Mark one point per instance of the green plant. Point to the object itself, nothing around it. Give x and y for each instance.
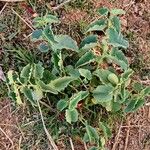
(94, 73)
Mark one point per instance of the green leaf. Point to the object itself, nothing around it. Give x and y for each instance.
(92, 134)
(106, 130)
(98, 25)
(71, 115)
(61, 83)
(26, 72)
(137, 87)
(55, 60)
(127, 74)
(103, 93)
(50, 19)
(85, 73)
(94, 148)
(38, 71)
(116, 23)
(10, 76)
(117, 12)
(44, 20)
(119, 62)
(37, 93)
(77, 98)
(134, 105)
(139, 104)
(119, 55)
(64, 42)
(146, 91)
(102, 75)
(86, 138)
(116, 39)
(115, 106)
(17, 93)
(87, 58)
(72, 72)
(43, 47)
(113, 78)
(103, 11)
(12, 95)
(36, 34)
(62, 104)
(46, 87)
(89, 42)
(48, 34)
(28, 94)
(130, 106)
(48, 76)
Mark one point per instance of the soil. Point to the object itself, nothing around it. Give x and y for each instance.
(9, 131)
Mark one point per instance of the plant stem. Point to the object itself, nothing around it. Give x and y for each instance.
(45, 129)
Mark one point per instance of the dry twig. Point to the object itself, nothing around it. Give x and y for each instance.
(71, 143)
(7, 137)
(45, 129)
(23, 20)
(85, 146)
(61, 5)
(127, 139)
(3, 8)
(117, 137)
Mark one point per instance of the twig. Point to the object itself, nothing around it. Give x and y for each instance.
(4, 107)
(7, 137)
(85, 146)
(62, 4)
(50, 108)
(23, 20)
(117, 137)
(3, 8)
(8, 125)
(45, 129)
(127, 139)
(135, 126)
(19, 145)
(127, 135)
(71, 143)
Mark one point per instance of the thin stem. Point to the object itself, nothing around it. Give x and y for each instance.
(45, 129)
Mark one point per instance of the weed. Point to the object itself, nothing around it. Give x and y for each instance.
(80, 80)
